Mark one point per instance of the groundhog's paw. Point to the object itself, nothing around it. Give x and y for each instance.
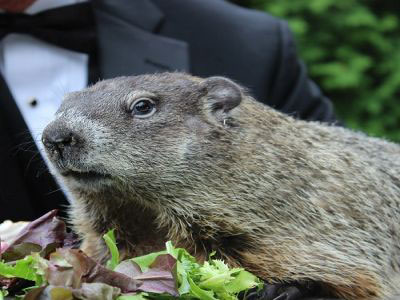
(285, 291)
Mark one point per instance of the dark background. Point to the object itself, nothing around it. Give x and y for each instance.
(352, 50)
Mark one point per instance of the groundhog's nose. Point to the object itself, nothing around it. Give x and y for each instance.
(57, 138)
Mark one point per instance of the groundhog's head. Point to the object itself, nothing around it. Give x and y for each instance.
(132, 131)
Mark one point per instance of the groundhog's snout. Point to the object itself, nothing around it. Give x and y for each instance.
(60, 140)
(66, 150)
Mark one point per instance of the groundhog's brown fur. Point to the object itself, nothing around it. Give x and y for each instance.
(212, 169)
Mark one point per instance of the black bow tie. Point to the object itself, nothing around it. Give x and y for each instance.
(71, 27)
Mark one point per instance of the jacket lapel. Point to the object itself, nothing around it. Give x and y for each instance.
(127, 42)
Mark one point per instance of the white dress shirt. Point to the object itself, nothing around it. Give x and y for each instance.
(39, 74)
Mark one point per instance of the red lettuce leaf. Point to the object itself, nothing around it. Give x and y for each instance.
(45, 232)
(87, 270)
(158, 279)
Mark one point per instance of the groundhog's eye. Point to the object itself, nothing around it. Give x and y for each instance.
(143, 108)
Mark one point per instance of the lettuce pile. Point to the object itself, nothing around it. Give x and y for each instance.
(42, 263)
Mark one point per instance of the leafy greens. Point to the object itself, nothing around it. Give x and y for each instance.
(41, 257)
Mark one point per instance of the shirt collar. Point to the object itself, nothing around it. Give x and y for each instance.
(41, 5)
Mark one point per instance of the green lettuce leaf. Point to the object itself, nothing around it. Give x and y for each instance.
(139, 296)
(200, 293)
(111, 243)
(212, 280)
(145, 261)
(186, 268)
(243, 281)
(24, 268)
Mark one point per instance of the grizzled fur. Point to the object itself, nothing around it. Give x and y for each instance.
(212, 169)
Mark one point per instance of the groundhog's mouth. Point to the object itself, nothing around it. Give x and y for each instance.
(85, 175)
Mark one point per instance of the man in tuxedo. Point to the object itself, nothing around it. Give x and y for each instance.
(49, 47)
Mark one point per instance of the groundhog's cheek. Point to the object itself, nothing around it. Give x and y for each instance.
(196, 125)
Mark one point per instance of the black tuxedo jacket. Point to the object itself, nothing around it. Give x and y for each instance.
(203, 37)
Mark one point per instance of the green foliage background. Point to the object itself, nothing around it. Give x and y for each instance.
(352, 50)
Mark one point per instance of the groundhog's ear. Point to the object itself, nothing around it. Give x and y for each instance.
(222, 95)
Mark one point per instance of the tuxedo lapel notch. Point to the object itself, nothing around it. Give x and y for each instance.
(128, 44)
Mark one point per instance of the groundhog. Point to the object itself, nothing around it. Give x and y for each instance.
(201, 163)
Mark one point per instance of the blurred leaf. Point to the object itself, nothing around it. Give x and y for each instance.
(320, 6)
(360, 16)
(298, 25)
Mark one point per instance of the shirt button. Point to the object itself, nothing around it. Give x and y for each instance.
(33, 102)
